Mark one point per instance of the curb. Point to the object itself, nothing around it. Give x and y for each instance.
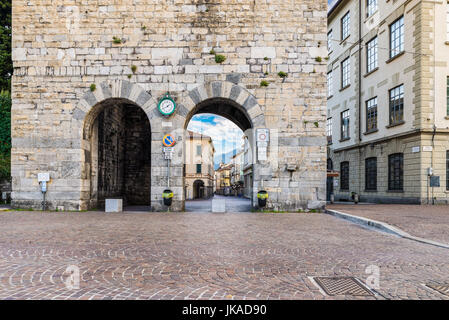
(382, 226)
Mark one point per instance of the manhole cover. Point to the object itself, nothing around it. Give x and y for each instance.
(443, 289)
(342, 286)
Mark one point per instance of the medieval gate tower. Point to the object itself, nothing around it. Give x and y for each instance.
(89, 77)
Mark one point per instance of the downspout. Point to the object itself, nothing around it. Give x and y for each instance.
(360, 95)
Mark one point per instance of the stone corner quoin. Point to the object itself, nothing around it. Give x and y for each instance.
(80, 69)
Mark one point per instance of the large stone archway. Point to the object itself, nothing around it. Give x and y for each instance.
(235, 103)
(128, 100)
(53, 108)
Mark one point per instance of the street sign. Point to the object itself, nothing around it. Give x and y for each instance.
(168, 140)
(263, 135)
(434, 181)
(43, 177)
(170, 149)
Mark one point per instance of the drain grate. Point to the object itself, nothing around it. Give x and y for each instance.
(342, 286)
(443, 289)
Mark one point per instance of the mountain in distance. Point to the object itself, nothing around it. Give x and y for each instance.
(224, 157)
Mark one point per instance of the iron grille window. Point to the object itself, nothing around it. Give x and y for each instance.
(397, 37)
(371, 55)
(447, 170)
(371, 114)
(198, 150)
(396, 171)
(198, 168)
(371, 174)
(397, 105)
(345, 25)
(345, 73)
(345, 125)
(344, 175)
(329, 130)
(371, 7)
(329, 41)
(329, 84)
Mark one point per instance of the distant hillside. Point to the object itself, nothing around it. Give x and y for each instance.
(224, 157)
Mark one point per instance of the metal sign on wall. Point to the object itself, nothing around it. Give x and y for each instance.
(262, 138)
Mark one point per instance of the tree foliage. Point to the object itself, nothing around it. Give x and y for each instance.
(5, 136)
(5, 45)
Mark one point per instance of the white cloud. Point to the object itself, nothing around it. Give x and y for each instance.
(225, 135)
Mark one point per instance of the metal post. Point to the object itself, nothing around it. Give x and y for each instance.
(168, 173)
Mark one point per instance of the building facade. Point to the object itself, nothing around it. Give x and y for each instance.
(237, 180)
(90, 78)
(388, 100)
(223, 179)
(199, 166)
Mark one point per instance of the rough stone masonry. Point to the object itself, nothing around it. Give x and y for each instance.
(86, 71)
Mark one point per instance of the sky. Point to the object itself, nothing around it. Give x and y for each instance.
(225, 135)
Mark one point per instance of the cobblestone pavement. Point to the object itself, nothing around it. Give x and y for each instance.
(233, 204)
(205, 256)
(425, 221)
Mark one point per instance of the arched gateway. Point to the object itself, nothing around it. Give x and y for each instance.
(119, 165)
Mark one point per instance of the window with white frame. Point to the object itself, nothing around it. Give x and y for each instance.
(345, 25)
(397, 105)
(371, 114)
(397, 37)
(371, 55)
(329, 130)
(329, 84)
(345, 73)
(344, 118)
(371, 7)
(329, 41)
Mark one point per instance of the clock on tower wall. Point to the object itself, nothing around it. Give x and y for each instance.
(167, 105)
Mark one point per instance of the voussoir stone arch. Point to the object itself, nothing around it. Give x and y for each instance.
(222, 90)
(122, 90)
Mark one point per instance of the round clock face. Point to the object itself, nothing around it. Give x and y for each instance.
(167, 106)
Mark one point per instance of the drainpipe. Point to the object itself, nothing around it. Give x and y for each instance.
(360, 94)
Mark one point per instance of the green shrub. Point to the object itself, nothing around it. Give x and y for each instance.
(93, 87)
(5, 123)
(116, 40)
(282, 74)
(264, 83)
(5, 167)
(133, 68)
(5, 136)
(219, 58)
(318, 59)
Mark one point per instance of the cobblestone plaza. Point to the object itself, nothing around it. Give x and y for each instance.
(206, 256)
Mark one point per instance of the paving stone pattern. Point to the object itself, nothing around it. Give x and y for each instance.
(205, 256)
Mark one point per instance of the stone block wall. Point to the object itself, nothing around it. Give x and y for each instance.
(61, 48)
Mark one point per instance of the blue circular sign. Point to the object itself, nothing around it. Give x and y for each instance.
(168, 140)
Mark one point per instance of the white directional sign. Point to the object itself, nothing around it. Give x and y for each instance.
(43, 177)
(168, 153)
(263, 135)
